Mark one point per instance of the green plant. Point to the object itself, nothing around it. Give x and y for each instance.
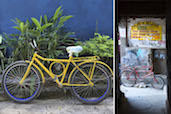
(100, 45)
(2, 51)
(4, 61)
(48, 33)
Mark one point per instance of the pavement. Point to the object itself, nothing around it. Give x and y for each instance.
(143, 101)
(62, 105)
(53, 100)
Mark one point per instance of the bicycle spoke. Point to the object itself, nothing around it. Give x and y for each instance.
(99, 89)
(78, 88)
(82, 77)
(84, 91)
(78, 78)
(80, 81)
(12, 81)
(10, 85)
(96, 92)
(16, 72)
(13, 90)
(9, 74)
(27, 89)
(23, 72)
(19, 71)
(85, 71)
(12, 78)
(93, 93)
(100, 78)
(20, 92)
(27, 92)
(88, 89)
(96, 73)
(89, 94)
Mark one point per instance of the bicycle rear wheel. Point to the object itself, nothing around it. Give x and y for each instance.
(159, 83)
(25, 92)
(91, 94)
(127, 78)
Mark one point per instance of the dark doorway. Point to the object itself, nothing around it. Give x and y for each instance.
(146, 100)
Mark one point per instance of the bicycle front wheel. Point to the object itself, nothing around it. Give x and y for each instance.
(25, 92)
(158, 83)
(127, 78)
(91, 94)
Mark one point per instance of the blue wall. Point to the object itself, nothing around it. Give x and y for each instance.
(85, 13)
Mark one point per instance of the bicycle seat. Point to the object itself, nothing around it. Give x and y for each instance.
(74, 49)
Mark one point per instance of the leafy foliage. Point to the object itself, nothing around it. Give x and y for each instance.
(48, 33)
(100, 45)
(4, 61)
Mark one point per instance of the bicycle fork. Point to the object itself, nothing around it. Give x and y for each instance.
(27, 72)
(154, 78)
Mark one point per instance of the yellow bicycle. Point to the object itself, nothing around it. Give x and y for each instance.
(90, 79)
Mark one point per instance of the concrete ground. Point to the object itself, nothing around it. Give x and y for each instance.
(64, 105)
(55, 101)
(143, 101)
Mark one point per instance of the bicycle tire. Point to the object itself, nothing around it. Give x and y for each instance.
(91, 94)
(125, 81)
(109, 74)
(160, 83)
(8, 84)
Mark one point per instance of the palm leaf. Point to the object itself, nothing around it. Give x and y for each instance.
(45, 18)
(16, 27)
(27, 22)
(36, 22)
(40, 20)
(15, 22)
(56, 13)
(22, 26)
(45, 26)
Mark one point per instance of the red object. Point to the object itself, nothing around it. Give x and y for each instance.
(138, 69)
(161, 42)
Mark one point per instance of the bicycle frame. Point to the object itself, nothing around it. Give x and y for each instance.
(149, 72)
(72, 60)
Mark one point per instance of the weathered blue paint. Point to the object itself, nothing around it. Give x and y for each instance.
(85, 12)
